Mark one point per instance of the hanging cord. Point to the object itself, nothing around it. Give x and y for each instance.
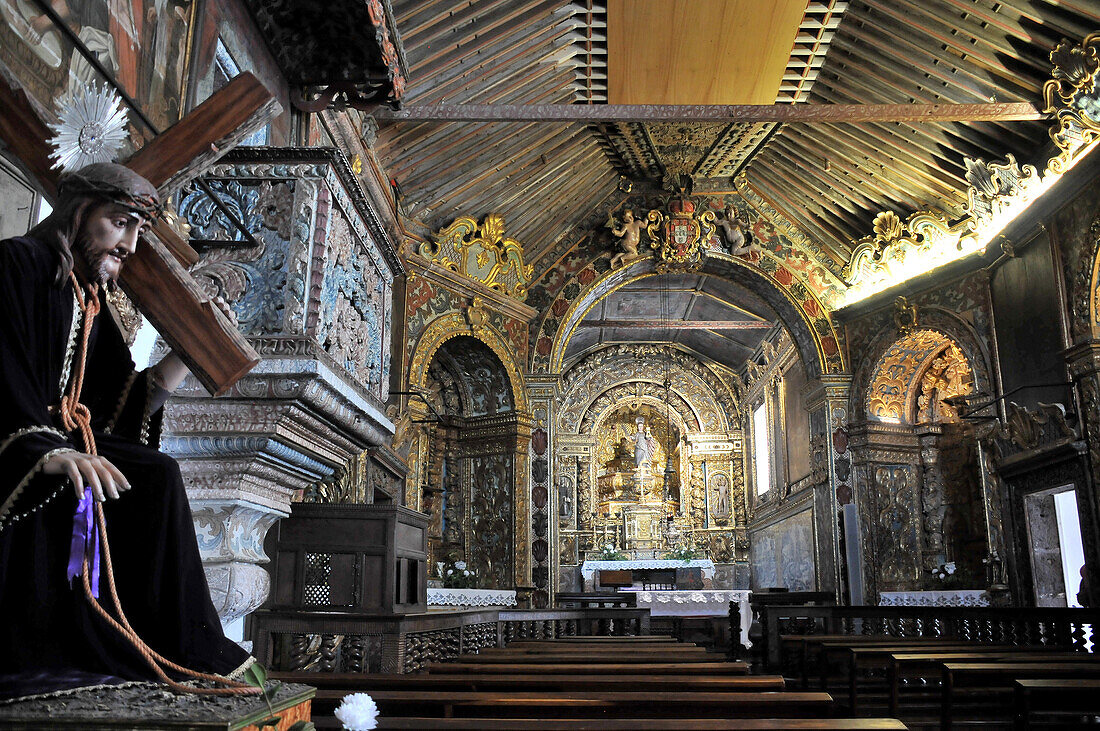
(76, 416)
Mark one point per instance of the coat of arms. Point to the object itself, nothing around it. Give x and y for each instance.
(679, 236)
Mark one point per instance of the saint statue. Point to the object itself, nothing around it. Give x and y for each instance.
(80, 474)
(645, 446)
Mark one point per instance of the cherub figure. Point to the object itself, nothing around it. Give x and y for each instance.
(629, 235)
(736, 233)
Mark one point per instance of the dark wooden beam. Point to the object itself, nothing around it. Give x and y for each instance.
(790, 113)
(679, 324)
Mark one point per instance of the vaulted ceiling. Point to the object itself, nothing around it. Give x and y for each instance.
(556, 183)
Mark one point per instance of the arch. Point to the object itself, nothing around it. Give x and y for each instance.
(454, 325)
(712, 404)
(796, 306)
(612, 398)
(948, 328)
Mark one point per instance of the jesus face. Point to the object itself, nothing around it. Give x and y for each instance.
(107, 237)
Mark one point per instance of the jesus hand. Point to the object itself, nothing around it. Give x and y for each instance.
(87, 469)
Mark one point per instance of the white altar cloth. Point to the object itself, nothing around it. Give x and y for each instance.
(697, 603)
(948, 598)
(471, 597)
(589, 568)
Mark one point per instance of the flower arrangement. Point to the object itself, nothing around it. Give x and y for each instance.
(357, 712)
(945, 573)
(680, 553)
(456, 575)
(610, 553)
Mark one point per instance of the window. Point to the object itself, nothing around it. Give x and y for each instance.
(760, 450)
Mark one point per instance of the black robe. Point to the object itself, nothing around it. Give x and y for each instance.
(49, 635)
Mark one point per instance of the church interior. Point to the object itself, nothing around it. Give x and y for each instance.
(721, 321)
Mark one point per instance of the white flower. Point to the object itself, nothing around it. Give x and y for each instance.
(609, 547)
(357, 712)
(949, 567)
(465, 572)
(460, 565)
(450, 572)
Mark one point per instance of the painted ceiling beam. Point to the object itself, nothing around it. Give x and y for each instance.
(791, 113)
(679, 324)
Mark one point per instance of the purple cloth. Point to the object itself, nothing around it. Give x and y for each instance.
(85, 540)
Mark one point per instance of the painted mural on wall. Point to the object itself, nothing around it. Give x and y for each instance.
(782, 554)
(142, 43)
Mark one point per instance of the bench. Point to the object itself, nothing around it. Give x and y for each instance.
(993, 680)
(580, 668)
(640, 724)
(620, 656)
(603, 704)
(1077, 696)
(873, 658)
(1058, 626)
(357, 682)
(925, 669)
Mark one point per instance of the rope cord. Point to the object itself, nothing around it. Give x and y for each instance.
(75, 416)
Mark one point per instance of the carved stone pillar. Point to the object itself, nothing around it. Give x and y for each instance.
(311, 284)
(548, 505)
(932, 499)
(827, 402)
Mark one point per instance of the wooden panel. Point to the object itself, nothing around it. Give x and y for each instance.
(699, 51)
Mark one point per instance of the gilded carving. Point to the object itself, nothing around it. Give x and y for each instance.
(914, 376)
(482, 253)
(678, 237)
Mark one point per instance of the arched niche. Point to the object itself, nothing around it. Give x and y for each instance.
(700, 394)
(944, 329)
(470, 467)
(915, 375)
(455, 325)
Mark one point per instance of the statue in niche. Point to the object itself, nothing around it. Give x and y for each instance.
(735, 232)
(645, 446)
(722, 495)
(629, 235)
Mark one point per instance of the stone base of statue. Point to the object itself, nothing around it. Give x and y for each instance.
(150, 706)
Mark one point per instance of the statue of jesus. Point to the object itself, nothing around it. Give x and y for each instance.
(78, 428)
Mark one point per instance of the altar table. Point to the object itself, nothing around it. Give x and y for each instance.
(698, 603)
(589, 568)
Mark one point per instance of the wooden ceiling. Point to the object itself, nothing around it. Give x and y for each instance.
(555, 184)
(699, 51)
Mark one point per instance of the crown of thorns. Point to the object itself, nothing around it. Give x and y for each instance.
(146, 203)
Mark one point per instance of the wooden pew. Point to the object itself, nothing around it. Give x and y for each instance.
(926, 668)
(366, 683)
(577, 668)
(597, 647)
(1077, 696)
(641, 724)
(1009, 625)
(992, 680)
(620, 656)
(805, 651)
(602, 704)
(579, 649)
(600, 638)
(877, 658)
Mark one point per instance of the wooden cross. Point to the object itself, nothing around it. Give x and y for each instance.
(155, 277)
